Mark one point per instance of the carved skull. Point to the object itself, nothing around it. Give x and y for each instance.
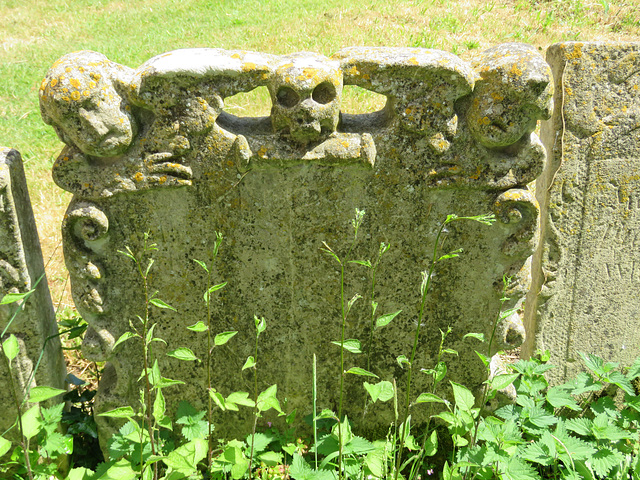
(305, 93)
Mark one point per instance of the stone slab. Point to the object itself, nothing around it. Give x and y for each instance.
(152, 150)
(587, 266)
(21, 267)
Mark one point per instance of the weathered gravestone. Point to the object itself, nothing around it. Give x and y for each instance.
(21, 270)
(152, 150)
(585, 274)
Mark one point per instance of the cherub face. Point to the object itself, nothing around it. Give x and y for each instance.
(86, 111)
(498, 116)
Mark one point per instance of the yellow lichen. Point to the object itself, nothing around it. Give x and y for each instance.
(247, 67)
(138, 177)
(74, 82)
(75, 95)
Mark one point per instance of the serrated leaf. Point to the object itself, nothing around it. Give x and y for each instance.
(385, 320)
(183, 353)
(581, 426)
(620, 381)
(222, 338)
(198, 327)
(604, 460)
(361, 371)
(40, 394)
(634, 370)
(559, 398)
(11, 348)
(161, 304)
(249, 363)
(428, 398)
(351, 345)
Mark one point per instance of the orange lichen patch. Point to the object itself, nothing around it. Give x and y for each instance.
(138, 177)
(576, 53)
(74, 82)
(413, 61)
(496, 96)
(568, 91)
(162, 179)
(515, 70)
(86, 93)
(75, 95)
(484, 121)
(68, 69)
(345, 144)
(454, 169)
(230, 163)
(262, 152)
(53, 83)
(247, 67)
(65, 159)
(235, 55)
(352, 71)
(476, 175)
(407, 111)
(95, 76)
(366, 76)
(92, 84)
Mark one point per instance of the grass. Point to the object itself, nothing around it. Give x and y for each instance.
(35, 33)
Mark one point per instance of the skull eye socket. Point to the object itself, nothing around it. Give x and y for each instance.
(324, 93)
(287, 97)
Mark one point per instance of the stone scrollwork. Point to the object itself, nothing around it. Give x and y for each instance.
(85, 232)
(518, 210)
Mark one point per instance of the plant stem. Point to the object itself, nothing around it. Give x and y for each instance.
(255, 407)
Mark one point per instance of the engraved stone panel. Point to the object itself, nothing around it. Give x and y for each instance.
(586, 268)
(22, 269)
(152, 150)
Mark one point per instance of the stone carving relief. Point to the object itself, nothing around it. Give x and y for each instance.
(152, 148)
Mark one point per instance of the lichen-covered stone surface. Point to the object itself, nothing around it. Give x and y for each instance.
(21, 267)
(586, 271)
(152, 150)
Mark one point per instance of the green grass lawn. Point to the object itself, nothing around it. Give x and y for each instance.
(34, 33)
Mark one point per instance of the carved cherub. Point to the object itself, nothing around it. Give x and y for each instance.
(513, 92)
(84, 98)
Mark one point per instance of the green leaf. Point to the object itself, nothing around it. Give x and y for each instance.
(10, 347)
(217, 398)
(159, 406)
(361, 371)
(440, 372)
(428, 398)
(5, 446)
(620, 381)
(634, 370)
(351, 345)
(120, 412)
(193, 425)
(40, 394)
(477, 336)
(431, 445)
(452, 254)
(31, 424)
(160, 304)
(183, 353)
(268, 400)
(260, 323)
(222, 338)
(558, 397)
(123, 338)
(604, 460)
(364, 263)
(14, 297)
(240, 398)
(463, 397)
(382, 391)
(185, 458)
(202, 264)
(385, 320)
(249, 363)
(500, 382)
(198, 327)
(402, 360)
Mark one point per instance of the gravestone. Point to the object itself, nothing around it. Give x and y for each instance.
(21, 270)
(152, 151)
(584, 294)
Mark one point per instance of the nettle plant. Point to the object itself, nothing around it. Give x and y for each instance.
(585, 429)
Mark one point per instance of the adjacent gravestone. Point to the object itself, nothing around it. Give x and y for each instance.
(152, 153)
(21, 270)
(584, 295)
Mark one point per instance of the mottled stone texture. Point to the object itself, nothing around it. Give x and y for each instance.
(585, 274)
(21, 267)
(152, 150)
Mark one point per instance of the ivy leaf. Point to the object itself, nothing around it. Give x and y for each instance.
(352, 345)
(385, 320)
(222, 338)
